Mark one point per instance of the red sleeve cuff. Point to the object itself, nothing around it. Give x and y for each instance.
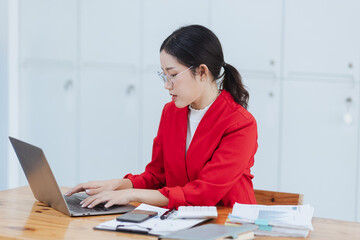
(175, 195)
(137, 180)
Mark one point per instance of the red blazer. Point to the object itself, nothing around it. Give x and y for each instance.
(216, 168)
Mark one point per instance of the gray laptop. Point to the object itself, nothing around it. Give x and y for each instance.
(45, 188)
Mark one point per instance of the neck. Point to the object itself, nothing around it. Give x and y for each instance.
(210, 94)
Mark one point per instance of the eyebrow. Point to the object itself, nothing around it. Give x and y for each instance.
(168, 68)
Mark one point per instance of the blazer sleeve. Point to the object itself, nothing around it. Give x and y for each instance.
(154, 175)
(232, 158)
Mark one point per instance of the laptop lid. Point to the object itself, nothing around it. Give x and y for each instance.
(39, 175)
(45, 188)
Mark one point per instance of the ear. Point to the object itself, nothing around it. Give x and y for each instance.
(203, 71)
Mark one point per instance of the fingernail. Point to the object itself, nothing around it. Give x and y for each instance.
(83, 205)
(81, 202)
(106, 206)
(89, 206)
(87, 191)
(68, 193)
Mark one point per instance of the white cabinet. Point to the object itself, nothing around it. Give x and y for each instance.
(253, 46)
(108, 124)
(250, 42)
(160, 19)
(48, 30)
(48, 83)
(319, 145)
(109, 70)
(110, 33)
(48, 117)
(264, 104)
(322, 37)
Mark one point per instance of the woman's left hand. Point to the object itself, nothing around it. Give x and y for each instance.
(111, 198)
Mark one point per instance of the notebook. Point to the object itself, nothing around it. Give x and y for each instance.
(45, 188)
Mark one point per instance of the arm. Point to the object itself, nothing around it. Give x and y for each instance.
(152, 197)
(95, 187)
(154, 175)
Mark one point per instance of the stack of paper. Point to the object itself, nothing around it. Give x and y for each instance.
(282, 220)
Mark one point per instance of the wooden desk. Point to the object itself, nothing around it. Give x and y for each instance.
(22, 217)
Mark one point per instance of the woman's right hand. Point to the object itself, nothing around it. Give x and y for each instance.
(95, 187)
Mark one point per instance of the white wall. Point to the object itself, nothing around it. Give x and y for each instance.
(3, 93)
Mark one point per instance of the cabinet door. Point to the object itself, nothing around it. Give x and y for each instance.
(322, 37)
(48, 83)
(160, 19)
(320, 141)
(109, 121)
(109, 116)
(250, 42)
(48, 30)
(264, 104)
(110, 32)
(48, 118)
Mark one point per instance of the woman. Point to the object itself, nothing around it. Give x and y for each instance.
(206, 140)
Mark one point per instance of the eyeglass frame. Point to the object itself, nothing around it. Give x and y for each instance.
(167, 78)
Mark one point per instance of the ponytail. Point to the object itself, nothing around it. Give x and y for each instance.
(232, 83)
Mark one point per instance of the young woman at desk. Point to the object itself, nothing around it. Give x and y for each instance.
(206, 140)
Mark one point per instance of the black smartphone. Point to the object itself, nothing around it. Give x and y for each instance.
(136, 216)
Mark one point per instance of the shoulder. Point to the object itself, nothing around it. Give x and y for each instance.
(234, 113)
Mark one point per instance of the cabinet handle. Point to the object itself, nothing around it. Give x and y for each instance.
(130, 88)
(68, 84)
(348, 118)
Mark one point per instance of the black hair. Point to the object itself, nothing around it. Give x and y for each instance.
(194, 45)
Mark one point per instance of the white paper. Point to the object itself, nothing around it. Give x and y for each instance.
(157, 226)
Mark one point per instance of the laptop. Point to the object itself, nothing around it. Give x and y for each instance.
(45, 188)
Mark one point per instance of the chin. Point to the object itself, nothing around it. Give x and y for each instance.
(180, 104)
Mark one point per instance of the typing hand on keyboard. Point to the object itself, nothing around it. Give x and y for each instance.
(197, 212)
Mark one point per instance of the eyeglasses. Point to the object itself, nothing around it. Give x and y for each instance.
(169, 79)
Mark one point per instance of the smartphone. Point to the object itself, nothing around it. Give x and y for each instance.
(136, 216)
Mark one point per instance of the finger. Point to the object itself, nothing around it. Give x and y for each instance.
(77, 188)
(94, 191)
(87, 201)
(97, 201)
(82, 187)
(109, 204)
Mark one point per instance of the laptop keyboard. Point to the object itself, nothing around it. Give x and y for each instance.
(74, 200)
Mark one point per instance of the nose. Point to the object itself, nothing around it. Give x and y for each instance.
(168, 85)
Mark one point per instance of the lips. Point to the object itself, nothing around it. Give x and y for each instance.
(173, 97)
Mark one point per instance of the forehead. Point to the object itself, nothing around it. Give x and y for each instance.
(168, 61)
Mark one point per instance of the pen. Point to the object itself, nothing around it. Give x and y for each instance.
(167, 214)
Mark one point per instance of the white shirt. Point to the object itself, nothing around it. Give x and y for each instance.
(194, 118)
